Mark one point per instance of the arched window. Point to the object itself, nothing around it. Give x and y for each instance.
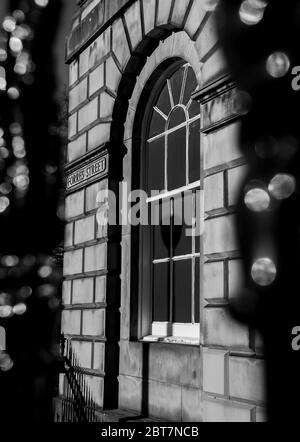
(171, 177)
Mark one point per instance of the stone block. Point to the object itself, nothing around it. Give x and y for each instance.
(84, 230)
(246, 379)
(66, 292)
(98, 135)
(133, 23)
(73, 72)
(236, 177)
(207, 38)
(107, 103)
(74, 205)
(192, 409)
(77, 148)
(113, 75)
(214, 192)
(120, 45)
(92, 192)
(130, 393)
(213, 280)
(222, 146)
(78, 94)
(95, 258)
(225, 411)
(100, 291)
(68, 239)
(235, 277)
(179, 12)
(70, 322)
(99, 356)
(163, 13)
(131, 358)
(195, 17)
(88, 114)
(83, 351)
(93, 322)
(149, 15)
(165, 401)
(220, 235)
(73, 262)
(83, 291)
(214, 67)
(222, 330)
(95, 53)
(214, 371)
(72, 125)
(96, 79)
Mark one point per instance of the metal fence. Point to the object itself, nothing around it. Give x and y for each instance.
(77, 404)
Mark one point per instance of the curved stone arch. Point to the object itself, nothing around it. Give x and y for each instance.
(153, 29)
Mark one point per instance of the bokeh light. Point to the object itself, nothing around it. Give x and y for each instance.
(263, 272)
(278, 64)
(282, 186)
(252, 11)
(257, 200)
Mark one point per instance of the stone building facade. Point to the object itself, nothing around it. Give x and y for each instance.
(123, 55)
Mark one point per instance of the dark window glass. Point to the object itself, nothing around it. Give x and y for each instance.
(161, 291)
(182, 277)
(194, 151)
(158, 125)
(163, 103)
(197, 290)
(177, 117)
(190, 86)
(176, 84)
(156, 164)
(176, 159)
(162, 232)
(182, 243)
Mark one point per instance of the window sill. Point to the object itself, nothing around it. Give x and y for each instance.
(171, 340)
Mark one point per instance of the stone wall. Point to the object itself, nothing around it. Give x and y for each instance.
(221, 379)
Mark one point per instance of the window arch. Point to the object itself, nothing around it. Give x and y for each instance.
(170, 169)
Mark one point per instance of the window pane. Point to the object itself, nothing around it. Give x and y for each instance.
(161, 290)
(183, 214)
(162, 232)
(197, 290)
(191, 84)
(194, 151)
(156, 164)
(182, 306)
(176, 85)
(163, 103)
(176, 159)
(177, 117)
(158, 125)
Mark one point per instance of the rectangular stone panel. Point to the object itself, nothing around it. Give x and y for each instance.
(213, 280)
(83, 291)
(221, 146)
(214, 192)
(246, 378)
(220, 235)
(93, 322)
(85, 230)
(222, 330)
(95, 258)
(73, 262)
(88, 114)
(74, 205)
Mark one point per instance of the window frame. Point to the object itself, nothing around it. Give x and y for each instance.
(145, 324)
